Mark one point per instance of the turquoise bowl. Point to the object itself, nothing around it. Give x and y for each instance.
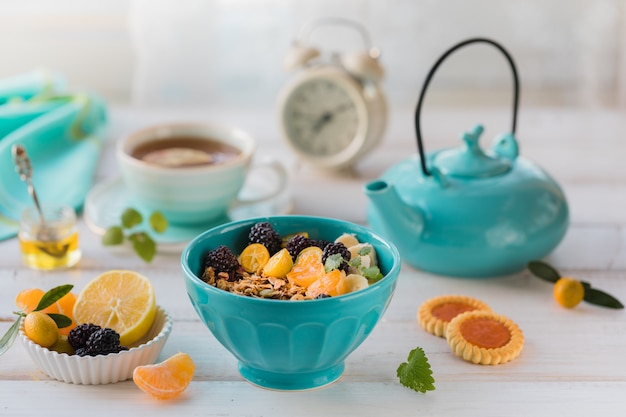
(289, 345)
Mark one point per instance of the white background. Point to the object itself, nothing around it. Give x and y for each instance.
(229, 52)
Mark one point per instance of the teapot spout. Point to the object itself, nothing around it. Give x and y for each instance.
(397, 219)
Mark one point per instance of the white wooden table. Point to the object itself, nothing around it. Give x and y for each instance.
(573, 363)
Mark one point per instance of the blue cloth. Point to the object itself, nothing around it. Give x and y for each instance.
(63, 134)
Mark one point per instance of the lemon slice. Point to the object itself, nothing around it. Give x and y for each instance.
(121, 300)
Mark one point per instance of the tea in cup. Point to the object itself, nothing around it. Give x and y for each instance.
(191, 172)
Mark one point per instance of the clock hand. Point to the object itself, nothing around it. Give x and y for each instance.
(322, 121)
(328, 116)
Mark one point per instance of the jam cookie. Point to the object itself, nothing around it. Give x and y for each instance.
(484, 337)
(435, 314)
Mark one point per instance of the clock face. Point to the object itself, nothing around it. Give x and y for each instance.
(322, 117)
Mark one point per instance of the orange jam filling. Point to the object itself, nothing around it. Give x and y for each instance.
(448, 311)
(485, 333)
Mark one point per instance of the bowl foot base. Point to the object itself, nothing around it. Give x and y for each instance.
(291, 382)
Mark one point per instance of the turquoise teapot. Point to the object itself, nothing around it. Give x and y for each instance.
(469, 211)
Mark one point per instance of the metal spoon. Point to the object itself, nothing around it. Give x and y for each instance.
(45, 233)
(25, 169)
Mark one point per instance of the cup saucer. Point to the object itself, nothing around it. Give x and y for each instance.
(106, 201)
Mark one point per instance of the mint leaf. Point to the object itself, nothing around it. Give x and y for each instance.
(365, 250)
(158, 222)
(53, 295)
(416, 374)
(131, 218)
(113, 236)
(333, 262)
(143, 245)
(372, 274)
(9, 337)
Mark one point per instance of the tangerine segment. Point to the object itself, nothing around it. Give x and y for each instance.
(332, 284)
(435, 314)
(279, 264)
(484, 337)
(121, 300)
(167, 379)
(254, 257)
(27, 300)
(568, 292)
(308, 267)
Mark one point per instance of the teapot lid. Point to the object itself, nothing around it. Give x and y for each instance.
(470, 161)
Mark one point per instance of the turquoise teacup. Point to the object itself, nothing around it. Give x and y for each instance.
(191, 172)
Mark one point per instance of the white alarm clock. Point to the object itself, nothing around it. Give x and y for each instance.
(333, 112)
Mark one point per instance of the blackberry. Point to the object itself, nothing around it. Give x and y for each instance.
(321, 243)
(103, 341)
(264, 233)
(82, 352)
(79, 335)
(340, 248)
(297, 244)
(222, 259)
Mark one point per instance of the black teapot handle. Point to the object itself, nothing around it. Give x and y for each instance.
(429, 76)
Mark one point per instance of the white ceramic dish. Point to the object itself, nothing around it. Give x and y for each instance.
(102, 369)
